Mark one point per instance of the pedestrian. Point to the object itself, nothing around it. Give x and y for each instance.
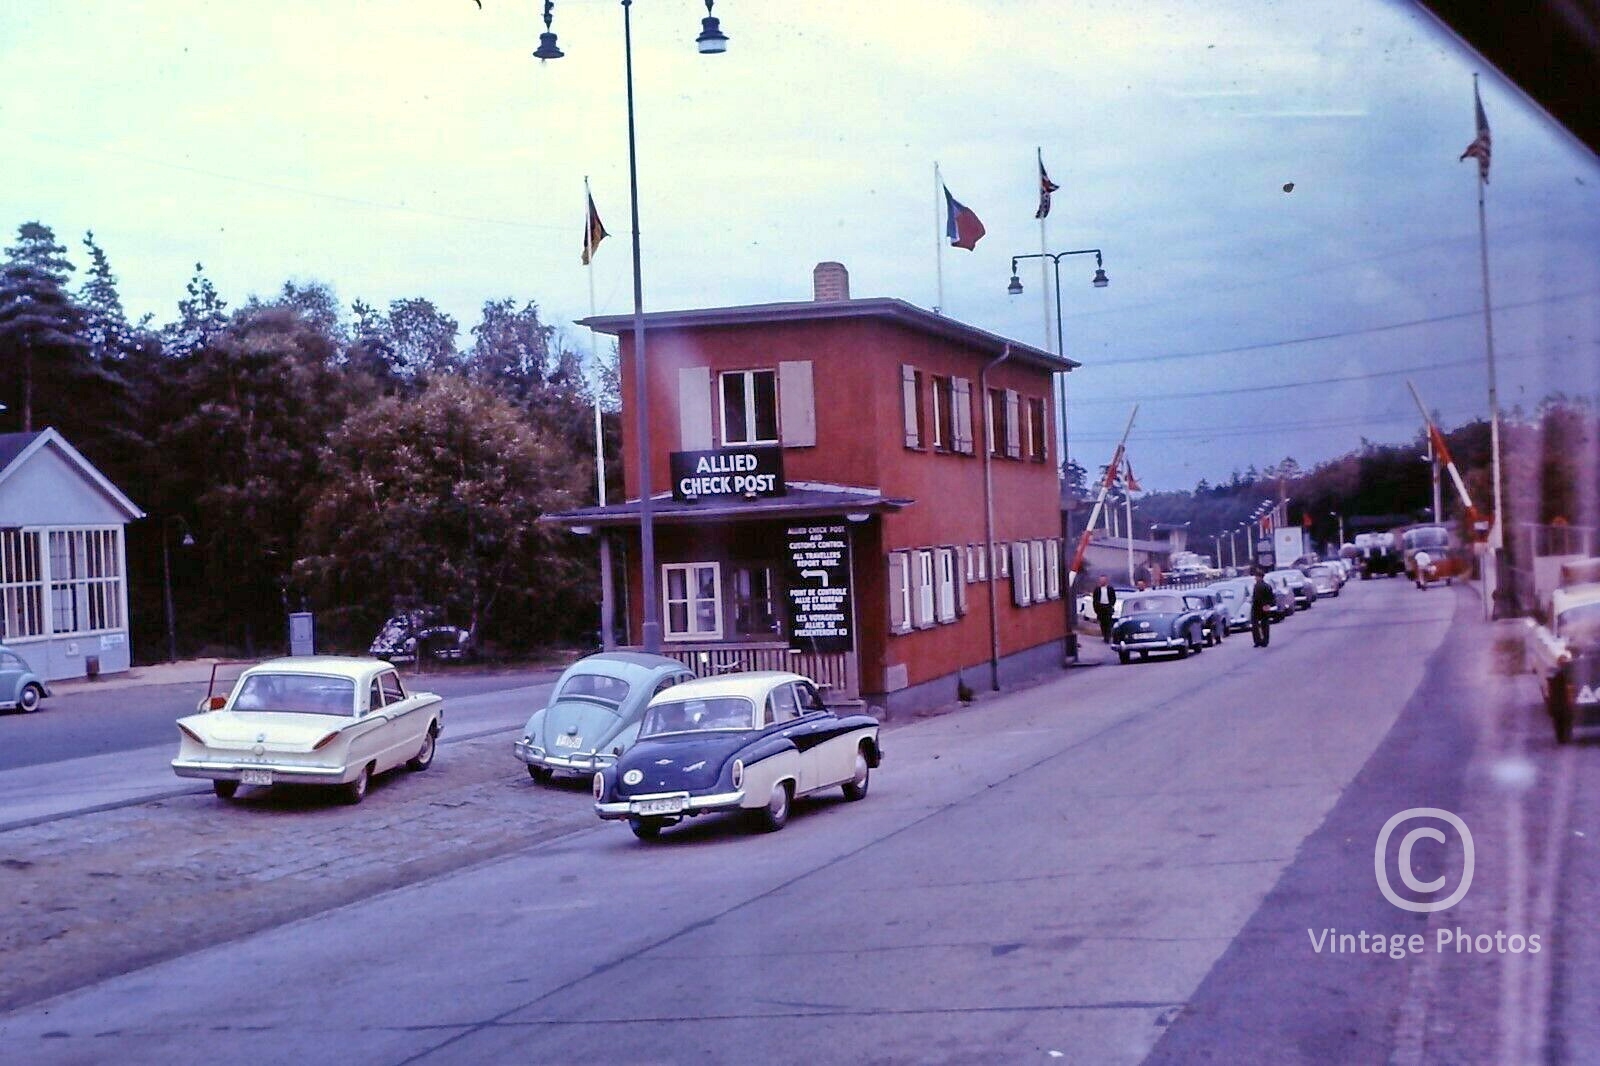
(1142, 585)
(1262, 602)
(1422, 561)
(1105, 604)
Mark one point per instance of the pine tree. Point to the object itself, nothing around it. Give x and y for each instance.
(105, 323)
(41, 330)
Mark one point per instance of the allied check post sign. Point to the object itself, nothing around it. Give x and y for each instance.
(818, 565)
(728, 472)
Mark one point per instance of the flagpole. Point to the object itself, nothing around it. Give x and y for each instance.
(608, 637)
(939, 212)
(1127, 503)
(1496, 528)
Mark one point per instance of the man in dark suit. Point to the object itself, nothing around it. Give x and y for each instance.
(1262, 602)
(1105, 604)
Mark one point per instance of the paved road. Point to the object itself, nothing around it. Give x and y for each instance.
(59, 786)
(1047, 876)
(87, 721)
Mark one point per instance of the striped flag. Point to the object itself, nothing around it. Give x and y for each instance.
(1133, 483)
(961, 224)
(1046, 187)
(593, 232)
(1479, 148)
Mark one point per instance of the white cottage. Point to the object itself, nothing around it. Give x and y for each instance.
(63, 568)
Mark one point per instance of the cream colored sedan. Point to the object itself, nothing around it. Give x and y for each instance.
(315, 720)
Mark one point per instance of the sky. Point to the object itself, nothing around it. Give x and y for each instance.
(400, 148)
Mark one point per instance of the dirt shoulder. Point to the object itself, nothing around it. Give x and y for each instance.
(102, 894)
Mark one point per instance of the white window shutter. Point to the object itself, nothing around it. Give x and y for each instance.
(961, 389)
(908, 404)
(961, 586)
(899, 575)
(1013, 425)
(923, 581)
(694, 408)
(797, 404)
(1019, 574)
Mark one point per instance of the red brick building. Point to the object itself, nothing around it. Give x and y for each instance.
(819, 476)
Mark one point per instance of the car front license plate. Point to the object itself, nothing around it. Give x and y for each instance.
(667, 805)
(256, 777)
(565, 741)
(1146, 636)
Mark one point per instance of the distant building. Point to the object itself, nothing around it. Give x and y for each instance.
(818, 471)
(63, 567)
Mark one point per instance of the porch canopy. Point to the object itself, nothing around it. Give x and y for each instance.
(802, 500)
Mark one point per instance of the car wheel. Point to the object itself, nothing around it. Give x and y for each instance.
(225, 789)
(1183, 651)
(540, 774)
(28, 698)
(775, 814)
(1124, 657)
(856, 787)
(424, 758)
(355, 791)
(646, 828)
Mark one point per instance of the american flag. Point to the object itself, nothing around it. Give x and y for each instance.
(1046, 187)
(1479, 148)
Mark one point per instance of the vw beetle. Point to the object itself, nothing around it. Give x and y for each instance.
(594, 712)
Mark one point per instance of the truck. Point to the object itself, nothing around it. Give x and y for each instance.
(1376, 555)
(1289, 547)
(1564, 653)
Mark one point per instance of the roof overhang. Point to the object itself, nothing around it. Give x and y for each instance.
(50, 438)
(880, 308)
(804, 500)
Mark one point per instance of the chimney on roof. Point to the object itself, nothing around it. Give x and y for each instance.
(830, 281)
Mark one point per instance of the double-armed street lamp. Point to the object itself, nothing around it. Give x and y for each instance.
(1099, 281)
(712, 41)
(166, 578)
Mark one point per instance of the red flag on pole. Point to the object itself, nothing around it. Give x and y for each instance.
(1133, 484)
(961, 224)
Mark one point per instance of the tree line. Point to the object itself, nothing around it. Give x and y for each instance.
(294, 454)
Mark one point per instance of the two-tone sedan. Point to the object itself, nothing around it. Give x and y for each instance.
(1157, 622)
(311, 720)
(752, 743)
(594, 712)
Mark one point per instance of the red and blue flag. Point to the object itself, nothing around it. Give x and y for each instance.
(961, 225)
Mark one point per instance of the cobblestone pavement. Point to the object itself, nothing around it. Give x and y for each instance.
(101, 894)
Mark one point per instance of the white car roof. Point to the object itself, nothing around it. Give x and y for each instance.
(356, 668)
(753, 685)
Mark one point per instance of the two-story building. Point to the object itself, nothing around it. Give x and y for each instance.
(858, 489)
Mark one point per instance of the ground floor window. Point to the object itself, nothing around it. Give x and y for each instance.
(922, 602)
(85, 581)
(755, 611)
(21, 585)
(947, 584)
(692, 593)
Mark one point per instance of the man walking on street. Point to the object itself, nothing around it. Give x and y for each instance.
(1262, 601)
(1105, 603)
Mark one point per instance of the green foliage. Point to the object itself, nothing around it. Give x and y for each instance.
(437, 499)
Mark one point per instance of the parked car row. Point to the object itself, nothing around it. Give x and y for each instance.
(1186, 621)
(660, 744)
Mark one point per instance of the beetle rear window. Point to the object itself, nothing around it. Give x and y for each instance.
(601, 687)
(296, 694)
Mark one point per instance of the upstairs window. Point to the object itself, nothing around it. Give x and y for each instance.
(943, 414)
(999, 428)
(1036, 430)
(750, 407)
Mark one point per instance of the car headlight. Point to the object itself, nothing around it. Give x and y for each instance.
(600, 786)
(738, 773)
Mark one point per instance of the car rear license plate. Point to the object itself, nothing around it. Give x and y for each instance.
(565, 741)
(666, 805)
(256, 777)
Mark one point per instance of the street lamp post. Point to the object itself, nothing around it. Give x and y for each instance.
(166, 579)
(712, 41)
(1064, 457)
(1340, 517)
